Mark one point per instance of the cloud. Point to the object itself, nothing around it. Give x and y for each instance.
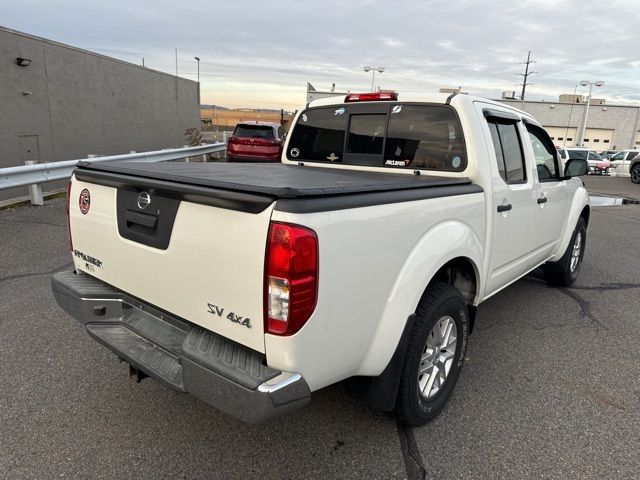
(265, 55)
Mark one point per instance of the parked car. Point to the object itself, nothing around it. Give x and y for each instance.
(607, 154)
(362, 257)
(634, 169)
(256, 142)
(597, 165)
(621, 160)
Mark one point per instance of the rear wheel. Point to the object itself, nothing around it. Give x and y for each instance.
(635, 173)
(565, 271)
(434, 356)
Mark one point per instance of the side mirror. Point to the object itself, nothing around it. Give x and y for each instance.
(575, 167)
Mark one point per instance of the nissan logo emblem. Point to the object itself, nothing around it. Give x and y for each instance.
(144, 200)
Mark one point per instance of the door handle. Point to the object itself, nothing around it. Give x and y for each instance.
(542, 200)
(504, 208)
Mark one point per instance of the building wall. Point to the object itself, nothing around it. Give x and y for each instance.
(620, 124)
(69, 103)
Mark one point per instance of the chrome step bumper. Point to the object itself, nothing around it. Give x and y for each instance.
(179, 354)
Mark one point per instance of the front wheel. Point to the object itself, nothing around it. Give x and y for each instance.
(565, 271)
(434, 356)
(635, 173)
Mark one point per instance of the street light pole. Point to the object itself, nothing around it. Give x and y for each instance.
(573, 100)
(368, 68)
(584, 83)
(198, 60)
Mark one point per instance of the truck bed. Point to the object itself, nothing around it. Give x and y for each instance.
(270, 182)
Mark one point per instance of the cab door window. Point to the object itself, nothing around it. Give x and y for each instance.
(508, 148)
(544, 153)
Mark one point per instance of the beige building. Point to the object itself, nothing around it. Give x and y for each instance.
(609, 127)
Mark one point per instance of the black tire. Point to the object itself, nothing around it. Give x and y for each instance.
(560, 273)
(440, 301)
(635, 173)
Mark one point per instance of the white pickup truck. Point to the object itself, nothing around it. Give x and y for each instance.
(361, 258)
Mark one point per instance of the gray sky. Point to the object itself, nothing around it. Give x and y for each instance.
(258, 53)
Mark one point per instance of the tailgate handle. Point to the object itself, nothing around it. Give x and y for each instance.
(144, 219)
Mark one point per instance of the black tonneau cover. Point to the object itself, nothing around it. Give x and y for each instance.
(276, 180)
(253, 187)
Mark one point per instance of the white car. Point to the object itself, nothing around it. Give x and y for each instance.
(621, 161)
(361, 258)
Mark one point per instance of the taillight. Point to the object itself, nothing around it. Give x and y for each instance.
(371, 97)
(291, 278)
(66, 207)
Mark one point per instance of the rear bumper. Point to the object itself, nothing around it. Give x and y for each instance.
(254, 159)
(179, 354)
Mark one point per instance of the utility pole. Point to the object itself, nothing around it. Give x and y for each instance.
(526, 74)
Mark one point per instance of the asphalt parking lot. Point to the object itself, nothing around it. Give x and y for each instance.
(550, 389)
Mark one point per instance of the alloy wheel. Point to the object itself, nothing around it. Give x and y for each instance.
(437, 357)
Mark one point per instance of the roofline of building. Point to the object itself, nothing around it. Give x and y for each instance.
(89, 52)
(549, 102)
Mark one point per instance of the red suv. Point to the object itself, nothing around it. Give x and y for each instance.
(256, 142)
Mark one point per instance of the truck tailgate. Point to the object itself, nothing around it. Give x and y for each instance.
(198, 261)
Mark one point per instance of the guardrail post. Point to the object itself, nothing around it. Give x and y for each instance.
(35, 190)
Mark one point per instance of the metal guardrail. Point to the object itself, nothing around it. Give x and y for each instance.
(34, 174)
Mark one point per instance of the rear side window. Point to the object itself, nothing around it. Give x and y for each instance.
(508, 148)
(254, 131)
(578, 154)
(394, 136)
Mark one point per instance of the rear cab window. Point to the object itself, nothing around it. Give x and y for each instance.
(254, 131)
(381, 134)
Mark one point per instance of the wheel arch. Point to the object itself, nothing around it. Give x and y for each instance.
(634, 163)
(464, 275)
(580, 208)
(455, 257)
(586, 214)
